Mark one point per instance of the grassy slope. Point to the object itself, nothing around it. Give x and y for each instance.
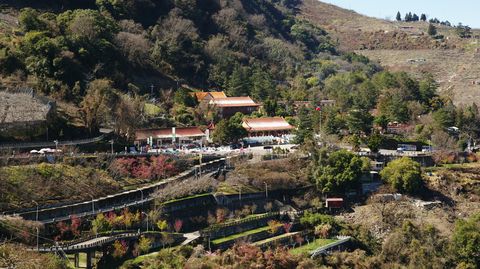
(235, 236)
(454, 62)
(305, 249)
(47, 183)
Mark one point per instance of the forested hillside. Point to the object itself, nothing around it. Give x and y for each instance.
(104, 57)
(61, 48)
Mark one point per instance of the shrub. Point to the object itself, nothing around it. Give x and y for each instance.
(311, 220)
(274, 226)
(155, 167)
(404, 175)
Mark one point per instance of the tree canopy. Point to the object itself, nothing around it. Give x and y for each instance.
(404, 175)
(341, 171)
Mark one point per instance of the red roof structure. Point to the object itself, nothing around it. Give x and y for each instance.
(266, 124)
(180, 132)
(334, 202)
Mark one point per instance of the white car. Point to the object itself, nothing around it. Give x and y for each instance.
(49, 150)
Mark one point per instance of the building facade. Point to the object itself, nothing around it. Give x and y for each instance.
(229, 106)
(272, 126)
(174, 135)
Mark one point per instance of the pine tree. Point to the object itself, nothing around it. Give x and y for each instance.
(423, 17)
(415, 17)
(239, 82)
(432, 30)
(408, 17)
(399, 16)
(304, 131)
(262, 85)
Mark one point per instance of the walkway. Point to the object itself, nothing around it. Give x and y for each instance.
(116, 201)
(190, 237)
(51, 144)
(88, 243)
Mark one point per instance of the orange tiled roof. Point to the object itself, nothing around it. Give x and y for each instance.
(167, 133)
(201, 95)
(233, 102)
(218, 94)
(266, 124)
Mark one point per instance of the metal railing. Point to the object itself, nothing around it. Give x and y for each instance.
(324, 249)
(51, 144)
(115, 201)
(217, 227)
(84, 246)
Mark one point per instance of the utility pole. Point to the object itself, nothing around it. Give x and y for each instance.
(266, 189)
(319, 108)
(146, 215)
(36, 219)
(37, 237)
(36, 215)
(111, 143)
(151, 90)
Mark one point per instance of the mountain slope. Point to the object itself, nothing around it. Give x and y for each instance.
(405, 46)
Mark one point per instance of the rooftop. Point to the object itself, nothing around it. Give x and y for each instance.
(233, 102)
(266, 124)
(168, 132)
(22, 107)
(201, 95)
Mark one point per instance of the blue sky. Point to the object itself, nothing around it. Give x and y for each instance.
(455, 11)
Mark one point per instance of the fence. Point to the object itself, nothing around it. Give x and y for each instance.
(234, 227)
(112, 202)
(85, 246)
(52, 144)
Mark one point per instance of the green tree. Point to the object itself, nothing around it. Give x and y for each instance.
(399, 16)
(314, 219)
(162, 225)
(463, 31)
(374, 142)
(404, 175)
(427, 89)
(270, 106)
(408, 16)
(144, 244)
(100, 224)
(445, 116)
(29, 20)
(359, 121)
(228, 131)
(423, 17)
(432, 30)
(239, 82)
(381, 121)
(99, 103)
(304, 129)
(466, 241)
(342, 172)
(262, 85)
(184, 97)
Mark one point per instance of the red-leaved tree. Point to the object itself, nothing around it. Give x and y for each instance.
(287, 226)
(178, 225)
